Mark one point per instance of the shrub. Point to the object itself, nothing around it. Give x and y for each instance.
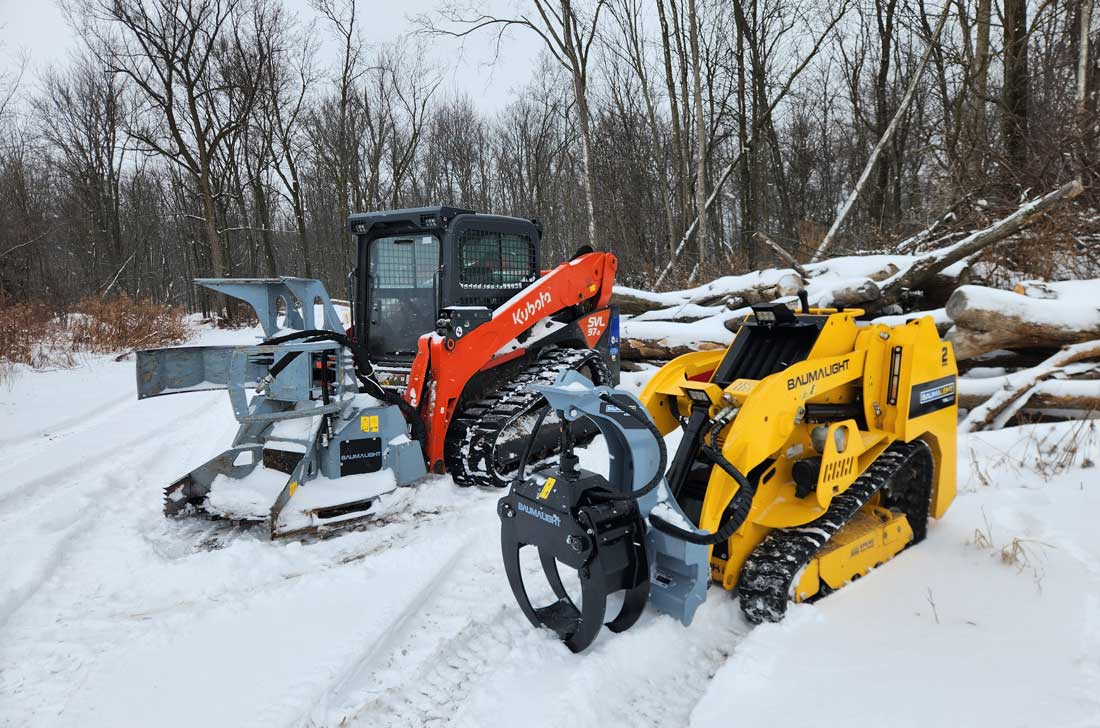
(34, 334)
(121, 324)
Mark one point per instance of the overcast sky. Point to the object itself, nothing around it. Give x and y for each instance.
(38, 29)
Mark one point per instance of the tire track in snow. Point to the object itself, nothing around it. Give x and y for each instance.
(59, 476)
(469, 652)
(18, 448)
(392, 535)
(87, 497)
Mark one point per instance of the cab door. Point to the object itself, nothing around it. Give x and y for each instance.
(402, 293)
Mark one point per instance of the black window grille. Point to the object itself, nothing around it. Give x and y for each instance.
(494, 260)
(405, 262)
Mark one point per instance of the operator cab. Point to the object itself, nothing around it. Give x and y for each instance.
(418, 265)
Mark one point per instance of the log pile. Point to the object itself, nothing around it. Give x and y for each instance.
(1017, 389)
(1045, 335)
(987, 320)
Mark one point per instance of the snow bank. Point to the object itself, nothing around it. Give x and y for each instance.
(949, 633)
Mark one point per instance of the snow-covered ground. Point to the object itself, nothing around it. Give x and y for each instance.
(112, 615)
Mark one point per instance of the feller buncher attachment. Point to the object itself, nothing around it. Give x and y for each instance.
(313, 452)
(813, 450)
(595, 525)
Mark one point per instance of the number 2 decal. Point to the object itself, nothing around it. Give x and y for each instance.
(943, 356)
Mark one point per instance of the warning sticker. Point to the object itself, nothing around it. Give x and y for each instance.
(546, 488)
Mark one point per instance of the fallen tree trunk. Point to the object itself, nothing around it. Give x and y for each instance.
(919, 240)
(783, 254)
(1081, 395)
(786, 283)
(632, 303)
(1020, 386)
(987, 319)
(661, 349)
(927, 266)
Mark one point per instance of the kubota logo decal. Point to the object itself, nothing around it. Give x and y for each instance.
(527, 311)
(594, 326)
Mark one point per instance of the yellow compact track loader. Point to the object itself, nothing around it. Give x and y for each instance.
(838, 437)
(813, 449)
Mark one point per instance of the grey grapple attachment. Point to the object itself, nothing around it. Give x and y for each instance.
(312, 451)
(598, 526)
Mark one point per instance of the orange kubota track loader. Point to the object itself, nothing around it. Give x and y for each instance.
(454, 311)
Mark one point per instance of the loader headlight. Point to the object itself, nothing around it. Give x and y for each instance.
(359, 228)
(698, 396)
(765, 317)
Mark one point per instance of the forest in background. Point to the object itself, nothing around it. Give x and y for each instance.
(203, 137)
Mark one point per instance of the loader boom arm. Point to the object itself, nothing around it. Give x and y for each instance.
(589, 277)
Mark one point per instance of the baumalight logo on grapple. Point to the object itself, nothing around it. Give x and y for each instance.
(815, 374)
(550, 518)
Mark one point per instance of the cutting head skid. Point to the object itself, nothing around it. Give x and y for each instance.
(596, 525)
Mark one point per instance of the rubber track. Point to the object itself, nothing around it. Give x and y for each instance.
(472, 439)
(764, 585)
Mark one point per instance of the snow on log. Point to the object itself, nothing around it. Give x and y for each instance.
(1076, 395)
(661, 349)
(855, 294)
(987, 319)
(643, 338)
(633, 301)
(1018, 387)
(929, 264)
(756, 287)
(939, 316)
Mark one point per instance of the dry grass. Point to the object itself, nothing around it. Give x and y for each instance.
(1045, 453)
(28, 335)
(118, 323)
(1026, 554)
(36, 335)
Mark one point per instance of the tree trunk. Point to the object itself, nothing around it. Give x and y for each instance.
(263, 219)
(677, 137)
(586, 157)
(700, 134)
(1015, 97)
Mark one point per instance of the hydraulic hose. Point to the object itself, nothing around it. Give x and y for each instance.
(627, 406)
(364, 372)
(739, 506)
(531, 442)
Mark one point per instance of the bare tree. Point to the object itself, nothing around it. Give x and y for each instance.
(287, 77)
(181, 57)
(82, 114)
(567, 33)
(341, 16)
(1015, 90)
